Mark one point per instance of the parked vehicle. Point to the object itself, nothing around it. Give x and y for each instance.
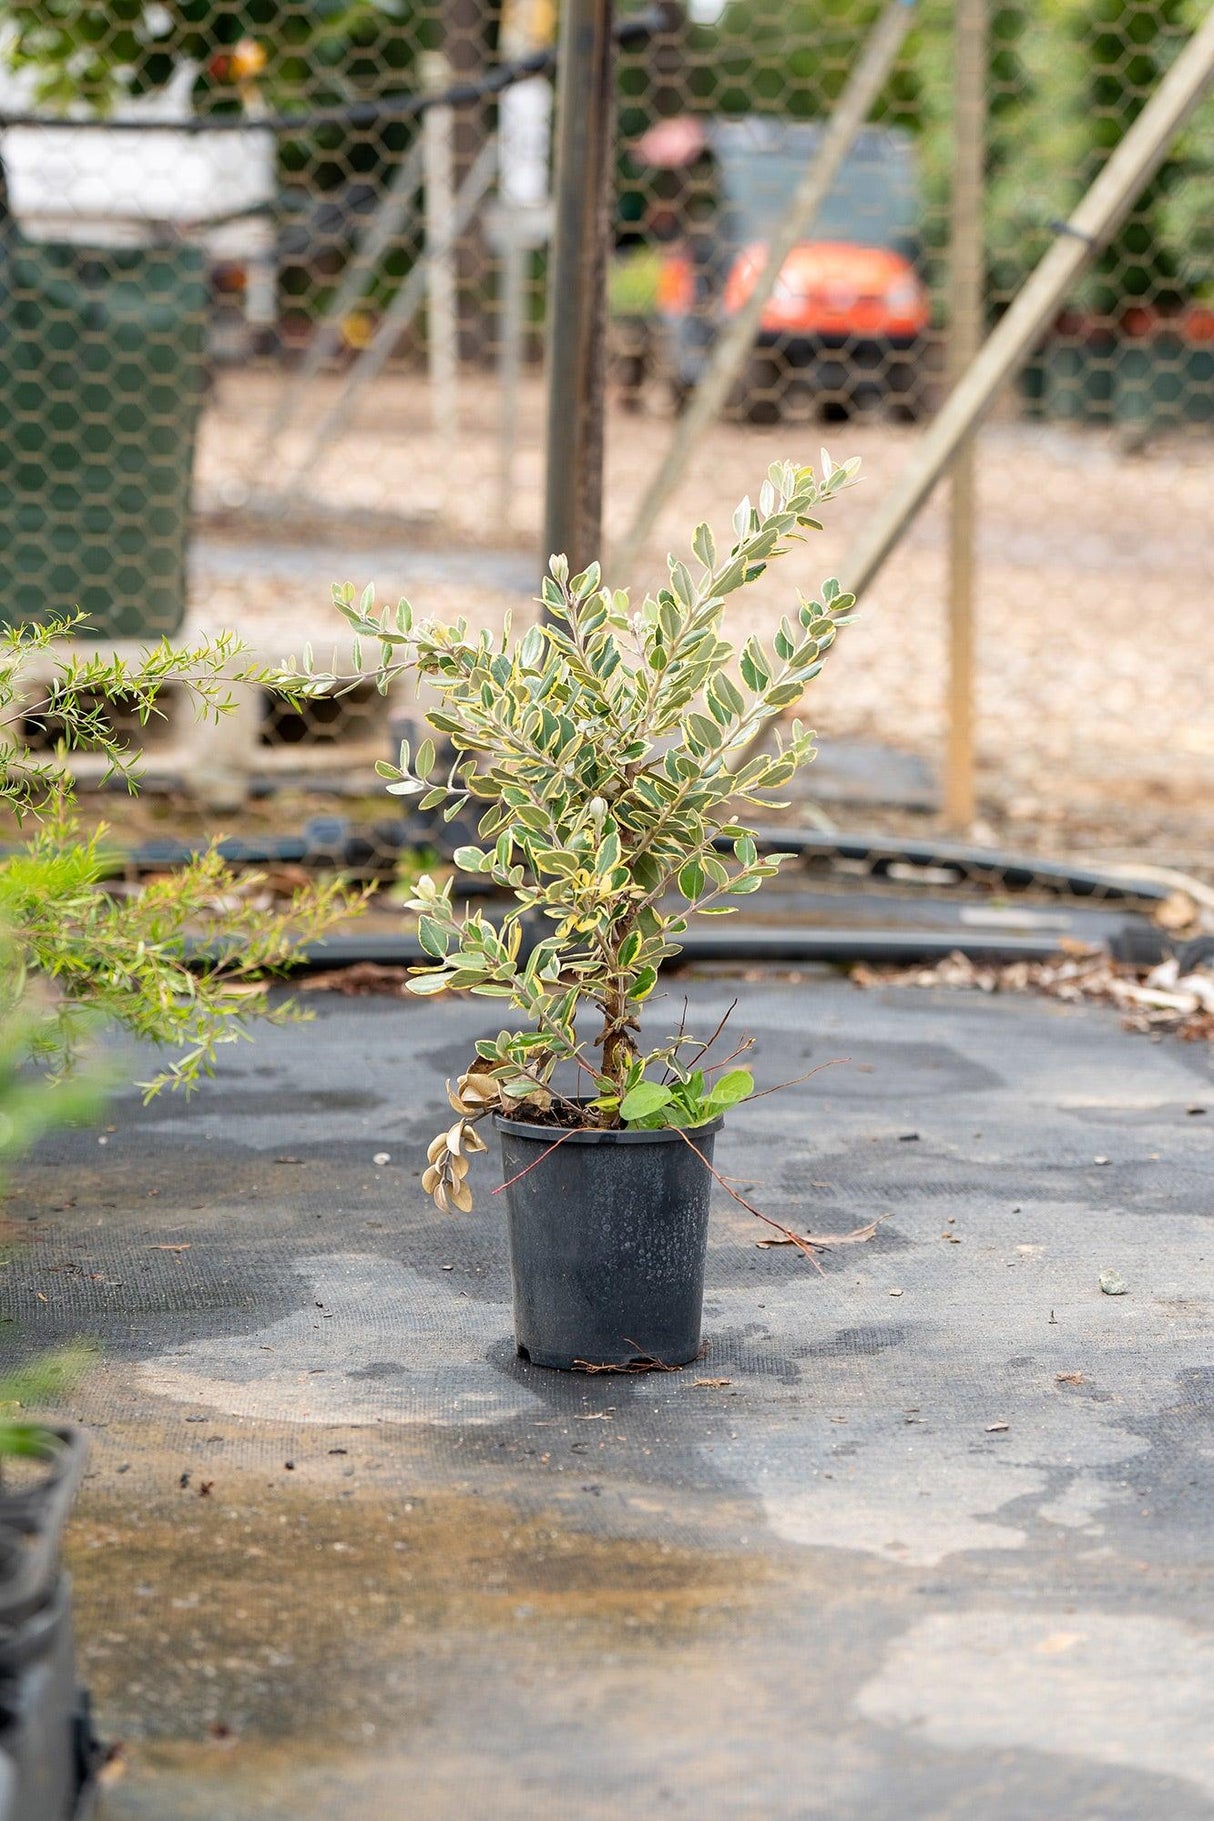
(849, 315)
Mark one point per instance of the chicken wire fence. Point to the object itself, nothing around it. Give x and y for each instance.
(267, 322)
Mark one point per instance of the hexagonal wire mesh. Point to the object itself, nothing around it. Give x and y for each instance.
(333, 328)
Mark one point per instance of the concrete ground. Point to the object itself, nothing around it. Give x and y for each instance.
(927, 1536)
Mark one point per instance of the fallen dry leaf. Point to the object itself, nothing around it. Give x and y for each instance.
(711, 1384)
(182, 1248)
(1177, 912)
(826, 1240)
(1070, 1378)
(115, 1764)
(359, 979)
(1152, 999)
(997, 1428)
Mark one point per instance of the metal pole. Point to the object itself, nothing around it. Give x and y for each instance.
(1125, 174)
(524, 187)
(512, 280)
(438, 157)
(733, 348)
(965, 324)
(576, 313)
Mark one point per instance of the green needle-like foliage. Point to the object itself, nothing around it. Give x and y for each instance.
(133, 959)
(610, 751)
(30, 1106)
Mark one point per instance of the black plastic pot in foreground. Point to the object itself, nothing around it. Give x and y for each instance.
(608, 1233)
(48, 1756)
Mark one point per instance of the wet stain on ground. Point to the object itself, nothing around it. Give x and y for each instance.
(258, 1607)
(850, 1343)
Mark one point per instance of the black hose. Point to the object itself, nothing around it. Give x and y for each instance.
(978, 865)
(835, 947)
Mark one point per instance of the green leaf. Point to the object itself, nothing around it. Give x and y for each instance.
(691, 880)
(425, 985)
(644, 983)
(701, 733)
(753, 666)
(644, 1101)
(727, 1090)
(432, 937)
(629, 949)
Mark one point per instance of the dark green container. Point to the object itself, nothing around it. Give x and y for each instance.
(102, 369)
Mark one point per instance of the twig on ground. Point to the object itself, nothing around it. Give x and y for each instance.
(790, 1238)
(644, 1362)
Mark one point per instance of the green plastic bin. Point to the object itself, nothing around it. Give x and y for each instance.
(102, 369)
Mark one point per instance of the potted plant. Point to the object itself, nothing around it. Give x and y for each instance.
(609, 751)
(48, 1755)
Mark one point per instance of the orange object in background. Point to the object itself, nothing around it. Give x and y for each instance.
(833, 288)
(676, 285)
(849, 318)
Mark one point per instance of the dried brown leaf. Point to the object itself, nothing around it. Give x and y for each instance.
(1178, 912)
(824, 1241)
(360, 979)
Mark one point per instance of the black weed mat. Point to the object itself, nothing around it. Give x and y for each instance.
(927, 1535)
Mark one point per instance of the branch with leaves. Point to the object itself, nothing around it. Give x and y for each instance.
(186, 961)
(609, 751)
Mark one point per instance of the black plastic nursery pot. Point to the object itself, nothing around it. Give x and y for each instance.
(608, 1234)
(48, 1756)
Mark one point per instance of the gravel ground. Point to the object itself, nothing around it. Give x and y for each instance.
(1095, 639)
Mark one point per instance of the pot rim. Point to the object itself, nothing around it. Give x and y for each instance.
(552, 1135)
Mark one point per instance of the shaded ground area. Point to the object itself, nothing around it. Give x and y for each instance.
(928, 1536)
